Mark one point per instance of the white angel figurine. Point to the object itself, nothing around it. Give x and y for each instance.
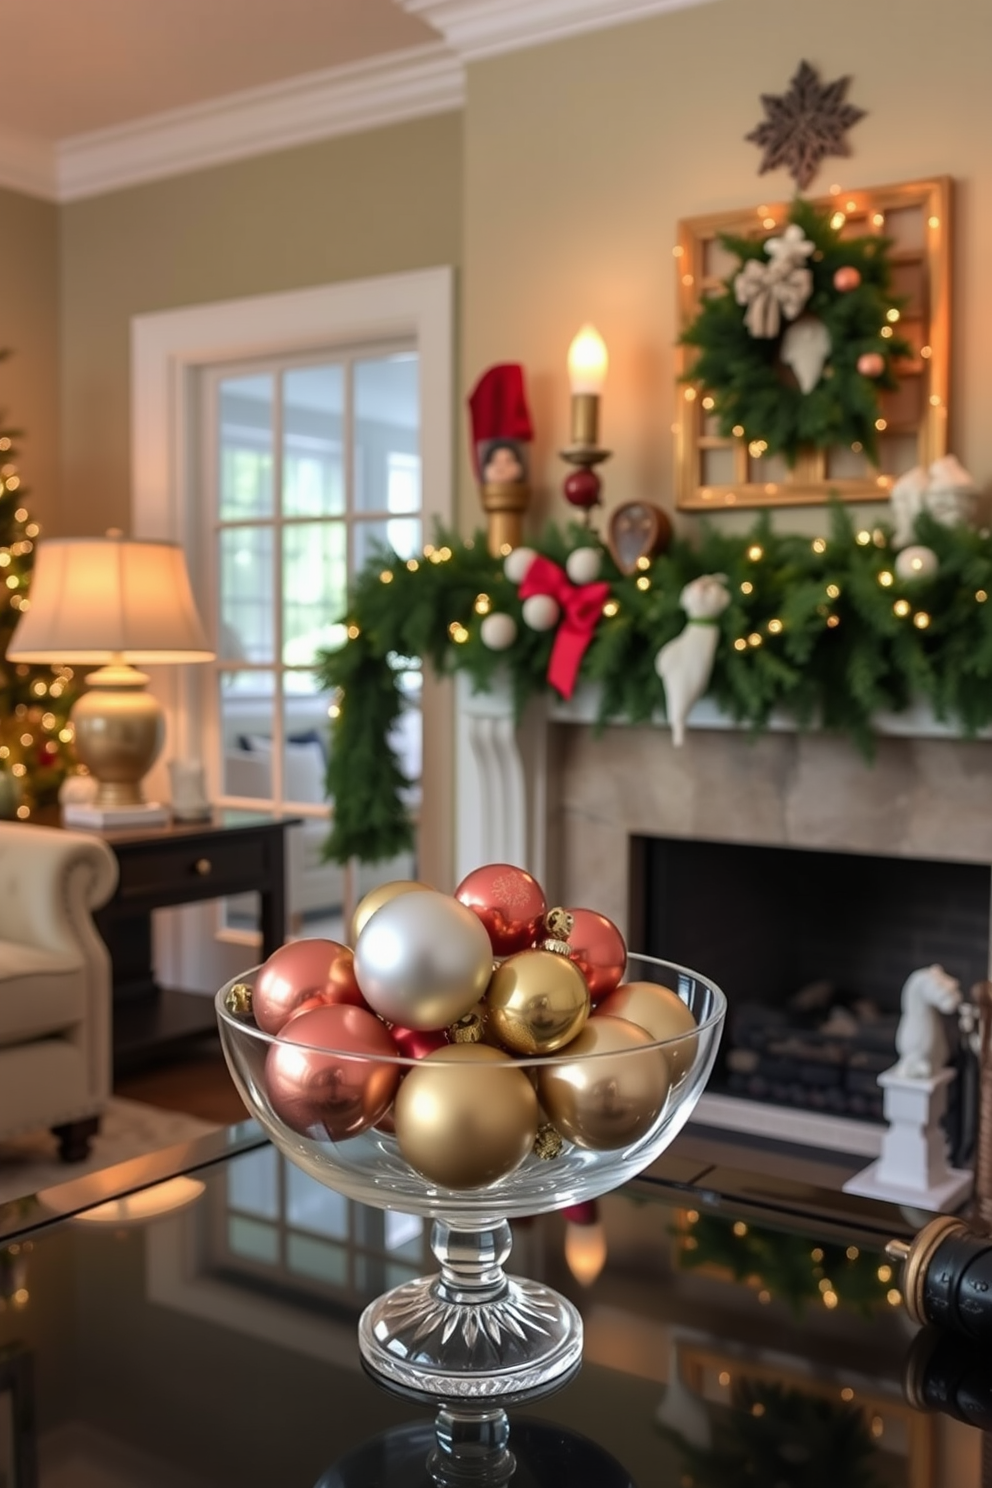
(685, 664)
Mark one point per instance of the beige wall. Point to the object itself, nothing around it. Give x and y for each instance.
(580, 157)
(347, 208)
(29, 330)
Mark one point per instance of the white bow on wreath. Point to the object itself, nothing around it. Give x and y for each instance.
(778, 286)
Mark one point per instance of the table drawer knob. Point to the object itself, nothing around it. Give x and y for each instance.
(203, 866)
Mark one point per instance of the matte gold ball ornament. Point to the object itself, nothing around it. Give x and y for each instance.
(466, 1116)
(423, 960)
(537, 1002)
(612, 1092)
(379, 896)
(661, 1013)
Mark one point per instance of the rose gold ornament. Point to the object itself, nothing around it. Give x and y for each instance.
(537, 1002)
(508, 901)
(846, 278)
(466, 1116)
(329, 1072)
(871, 364)
(598, 950)
(614, 1089)
(376, 898)
(314, 972)
(662, 1015)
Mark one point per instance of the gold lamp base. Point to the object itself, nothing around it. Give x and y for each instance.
(120, 730)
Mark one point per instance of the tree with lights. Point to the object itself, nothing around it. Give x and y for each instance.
(35, 733)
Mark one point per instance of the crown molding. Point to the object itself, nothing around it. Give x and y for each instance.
(319, 105)
(488, 28)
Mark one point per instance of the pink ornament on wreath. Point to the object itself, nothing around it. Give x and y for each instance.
(846, 278)
(871, 364)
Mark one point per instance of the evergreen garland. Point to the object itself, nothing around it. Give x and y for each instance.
(751, 389)
(821, 629)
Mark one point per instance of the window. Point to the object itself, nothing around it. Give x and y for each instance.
(308, 487)
(311, 467)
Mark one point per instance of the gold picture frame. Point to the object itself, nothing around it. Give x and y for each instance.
(713, 471)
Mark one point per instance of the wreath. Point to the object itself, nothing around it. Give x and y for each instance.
(797, 345)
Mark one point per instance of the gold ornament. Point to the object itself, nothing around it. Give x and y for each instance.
(548, 1142)
(537, 1002)
(470, 1027)
(661, 1014)
(558, 925)
(603, 1102)
(237, 1000)
(466, 1126)
(376, 898)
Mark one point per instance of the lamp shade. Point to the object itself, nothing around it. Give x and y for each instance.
(94, 599)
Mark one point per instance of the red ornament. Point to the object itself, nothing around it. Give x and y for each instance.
(508, 901)
(304, 973)
(871, 364)
(582, 487)
(330, 1071)
(417, 1043)
(846, 278)
(598, 950)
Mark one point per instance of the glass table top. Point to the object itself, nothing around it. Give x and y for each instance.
(197, 1330)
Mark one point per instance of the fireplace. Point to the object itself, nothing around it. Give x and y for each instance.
(812, 949)
(848, 844)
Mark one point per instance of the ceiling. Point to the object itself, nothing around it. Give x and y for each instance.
(72, 66)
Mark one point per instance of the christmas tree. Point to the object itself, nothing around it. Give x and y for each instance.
(35, 733)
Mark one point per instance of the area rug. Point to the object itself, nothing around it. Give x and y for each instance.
(129, 1129)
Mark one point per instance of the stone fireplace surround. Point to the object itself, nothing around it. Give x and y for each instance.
(567, 802)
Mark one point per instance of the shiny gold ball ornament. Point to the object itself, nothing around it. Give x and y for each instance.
(377, 897)
(612, 1092)
(661, 1013)
(537, 1001)
(465, 1116)
(423, 960)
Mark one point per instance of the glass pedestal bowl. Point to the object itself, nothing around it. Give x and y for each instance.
(471, 1332)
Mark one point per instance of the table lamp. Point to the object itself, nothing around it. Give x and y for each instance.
(112, 601)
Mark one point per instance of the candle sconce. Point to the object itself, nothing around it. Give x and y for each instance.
(587, 366)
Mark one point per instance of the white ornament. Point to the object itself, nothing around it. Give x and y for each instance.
(916, 562)
(921, 1042)
(498, 631)
(541, 612)
(583, 566)
(517, 563)
(946, 491)
(685, 664)
(805, 348)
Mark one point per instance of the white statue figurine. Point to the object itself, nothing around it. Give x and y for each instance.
(685, 664)
(921, 1042)
(946, 491)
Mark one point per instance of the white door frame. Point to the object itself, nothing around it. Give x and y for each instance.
(168, 348)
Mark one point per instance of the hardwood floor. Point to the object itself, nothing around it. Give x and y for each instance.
(197, 1082)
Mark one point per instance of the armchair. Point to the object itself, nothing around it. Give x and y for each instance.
(55, 983)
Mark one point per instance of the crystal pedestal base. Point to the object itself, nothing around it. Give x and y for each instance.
(471, 1332)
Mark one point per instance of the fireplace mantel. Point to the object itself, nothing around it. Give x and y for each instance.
(564, 800)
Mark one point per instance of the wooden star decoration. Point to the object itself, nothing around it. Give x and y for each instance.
(805, 124)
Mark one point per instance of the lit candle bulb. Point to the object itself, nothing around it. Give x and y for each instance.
(587, 364)
(587, 361)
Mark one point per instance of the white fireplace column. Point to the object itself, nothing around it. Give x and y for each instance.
(501, 787)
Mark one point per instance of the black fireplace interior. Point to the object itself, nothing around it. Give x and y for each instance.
(812, 950)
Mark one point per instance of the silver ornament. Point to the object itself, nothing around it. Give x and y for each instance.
(423, 960)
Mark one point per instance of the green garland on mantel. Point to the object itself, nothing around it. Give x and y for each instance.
(820, 628)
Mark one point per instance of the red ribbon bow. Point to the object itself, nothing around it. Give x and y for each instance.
(581, 606)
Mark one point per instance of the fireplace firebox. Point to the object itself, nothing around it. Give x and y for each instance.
(812, 949)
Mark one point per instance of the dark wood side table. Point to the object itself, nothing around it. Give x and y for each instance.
(164, 866)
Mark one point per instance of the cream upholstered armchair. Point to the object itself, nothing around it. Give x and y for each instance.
(55, 983)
